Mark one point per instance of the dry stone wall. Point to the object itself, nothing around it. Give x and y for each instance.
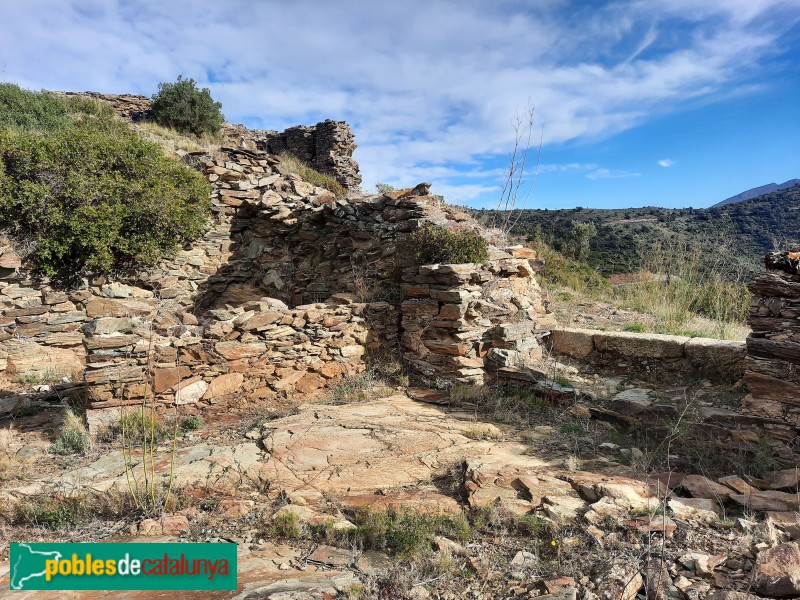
(286, 292)
(706, 357)
(461, 322)
(327, 146)
(773, 347)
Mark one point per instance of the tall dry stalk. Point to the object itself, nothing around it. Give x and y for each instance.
(516, 185)
(149, 496)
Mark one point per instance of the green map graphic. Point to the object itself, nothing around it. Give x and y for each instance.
(29, 564)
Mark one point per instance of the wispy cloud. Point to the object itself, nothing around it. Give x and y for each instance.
(666, 162)
(431, 110)
(609, 174)
(566, 167)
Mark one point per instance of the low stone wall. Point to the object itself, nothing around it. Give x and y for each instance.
(259, 350)
(705, 356)
(773, 347)
(460, 322)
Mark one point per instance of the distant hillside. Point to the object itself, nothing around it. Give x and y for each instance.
(758, 191)
(737, 234)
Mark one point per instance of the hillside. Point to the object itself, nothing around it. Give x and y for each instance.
(735, 235)
(758, 191)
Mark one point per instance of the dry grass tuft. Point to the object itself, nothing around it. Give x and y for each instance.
(176, 142)
(292, 164)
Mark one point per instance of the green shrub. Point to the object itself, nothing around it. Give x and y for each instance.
(94, 197)
(182, 106)
(31, 111)
(24, 110)
(73, 437)
(137, 427)
(562, 271)
(384, 188)
(404, 533)
(51, 512)
(190, 423)
(287, 526)
(433, 243)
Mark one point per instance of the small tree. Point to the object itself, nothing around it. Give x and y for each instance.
(182, 106)
(580, 236)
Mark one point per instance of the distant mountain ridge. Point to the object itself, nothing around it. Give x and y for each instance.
(737, 234)
(758, 191)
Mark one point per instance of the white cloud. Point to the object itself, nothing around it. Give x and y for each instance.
(609, 174)
(566, 167)
(666, 162)
(429, 87)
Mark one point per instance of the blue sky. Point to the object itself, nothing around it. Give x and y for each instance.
(671, 102)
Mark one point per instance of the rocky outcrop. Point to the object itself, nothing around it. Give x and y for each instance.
(128, 106)
(773, 347)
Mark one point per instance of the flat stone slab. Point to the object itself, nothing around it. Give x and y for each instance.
(640, 346)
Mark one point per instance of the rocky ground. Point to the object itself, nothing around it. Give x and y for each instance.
(491, 493)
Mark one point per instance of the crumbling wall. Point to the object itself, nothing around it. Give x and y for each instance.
(286, 292)
(327, 146)
(773, 348)
(461, 322)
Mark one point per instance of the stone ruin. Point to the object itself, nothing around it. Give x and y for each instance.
(292, 288)
(287, 292)
(327, 146)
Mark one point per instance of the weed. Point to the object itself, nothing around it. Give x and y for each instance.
(636, 327)
(431, 244)
(403, 533)
(571, 428)
(358, 387)
(677, 283)
(287, 526)
(460, 393)
(73, 437)
(27, 409)
(138, 427)
(51, 512)
(532, 525)
(764, 459)
(190, 423)
(35, 378)
(383, 188)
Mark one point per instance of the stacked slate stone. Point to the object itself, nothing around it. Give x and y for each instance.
(128, 106)
(773, 347)
(462, 322)
(286, 291)
(327, 147)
